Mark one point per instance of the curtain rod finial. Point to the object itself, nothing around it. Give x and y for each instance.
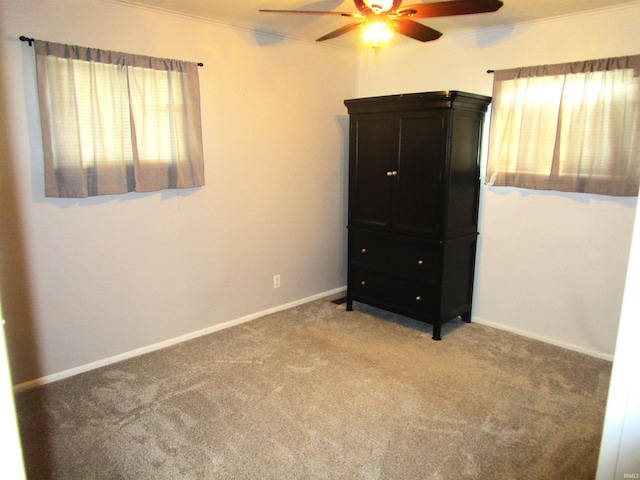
(22, 38)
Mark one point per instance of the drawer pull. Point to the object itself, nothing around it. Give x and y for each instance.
(420, 262)
(364, 250)
(418, 298)
(363, 282)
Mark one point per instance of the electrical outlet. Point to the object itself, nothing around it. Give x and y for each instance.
(276, 281)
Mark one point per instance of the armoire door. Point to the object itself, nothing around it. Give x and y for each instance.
(418, 202)
(373, 170)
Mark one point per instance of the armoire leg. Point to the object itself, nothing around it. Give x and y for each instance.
(437, 330)
(349, 305)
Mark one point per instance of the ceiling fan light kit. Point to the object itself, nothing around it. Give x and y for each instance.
(376, 33)
(379, 17)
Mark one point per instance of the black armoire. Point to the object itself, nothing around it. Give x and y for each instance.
(414, 182)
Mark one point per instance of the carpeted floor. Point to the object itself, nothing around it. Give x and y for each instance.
(316, 392)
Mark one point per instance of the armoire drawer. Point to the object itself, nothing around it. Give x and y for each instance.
(369, 250)
(408, 295)
(415, 259)
(418, 261)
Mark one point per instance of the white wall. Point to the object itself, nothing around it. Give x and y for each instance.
(95, 278)
(550, 265)
(98, 277)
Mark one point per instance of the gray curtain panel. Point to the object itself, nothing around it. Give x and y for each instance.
(571, 127)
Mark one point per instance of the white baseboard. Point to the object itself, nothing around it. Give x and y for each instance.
(543, 338)
(167, 343)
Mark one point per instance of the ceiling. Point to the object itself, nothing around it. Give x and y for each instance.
(245, 14)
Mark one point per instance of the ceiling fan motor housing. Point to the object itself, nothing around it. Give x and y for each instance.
(378, 6)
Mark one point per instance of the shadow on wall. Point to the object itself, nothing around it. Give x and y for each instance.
(15, 290)
(584, 198)
(277, 20)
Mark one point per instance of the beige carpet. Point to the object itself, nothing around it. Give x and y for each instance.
(317, 392)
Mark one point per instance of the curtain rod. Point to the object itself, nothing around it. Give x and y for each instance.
(490, 71)
(27, 39)
(31, 40)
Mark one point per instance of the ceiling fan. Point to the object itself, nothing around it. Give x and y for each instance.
(391, 14)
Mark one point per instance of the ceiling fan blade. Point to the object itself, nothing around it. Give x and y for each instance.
(313, 12)
(453, 7)
(416, 30)
(341, 31)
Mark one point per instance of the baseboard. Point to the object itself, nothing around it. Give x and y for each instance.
(543, 338)
(167, 343)
(231, 323)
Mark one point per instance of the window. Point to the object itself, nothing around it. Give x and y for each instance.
(115, 123)
(570, 127)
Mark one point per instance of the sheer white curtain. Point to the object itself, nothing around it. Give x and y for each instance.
(568, 127)
(115, 122)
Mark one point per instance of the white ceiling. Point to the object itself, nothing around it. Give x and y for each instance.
(245, 14)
